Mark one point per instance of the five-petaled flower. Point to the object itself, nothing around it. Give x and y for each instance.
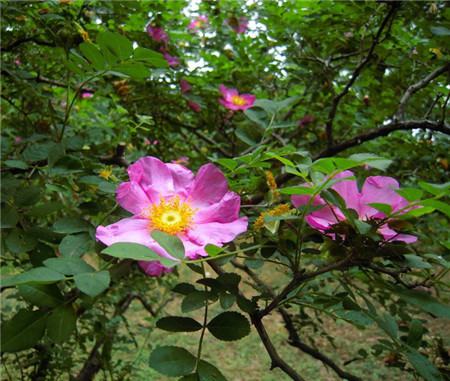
(199, 209)
(200, 22)
(232, 100)
(375, 190)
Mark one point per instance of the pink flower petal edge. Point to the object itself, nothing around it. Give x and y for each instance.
(376, 189)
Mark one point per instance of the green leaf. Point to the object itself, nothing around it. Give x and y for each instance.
(417, 262)
(61, 323)
(38, 275)
(297, 190)
(435, 189)
(178, 324)
(93, 55)
(41, 295)
(149, 56)
(194, 301)
(384, 208)
(133, 69)
(213, 250)
(9, 217)
(92, 284)
(438, 205)
(208, 372)
(28, 196)
(70, 225)
(184, 288)
(137, 252)
(75, 245)
(68, 265)
(227, 300)
(16, 164)
(171, 243)
(115, 44)
(424, 301)
(422, 365)
(23, 331)
(415, 333)
(172, 361)
(411, 194)
(229, 326)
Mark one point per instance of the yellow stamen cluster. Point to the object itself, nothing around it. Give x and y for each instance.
(173, 216)
(272, 184)
(238, 100)
(277, 211)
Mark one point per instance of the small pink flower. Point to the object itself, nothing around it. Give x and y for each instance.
(200, 22)
(307, 119)
(171, 60)
(18, 62)
(157, 34)
(155, 142)
(198, 209)
(239, 26)
(86, 94)
(194, 106)
(18, 139)
(376, 189)
(232, 100)
(147, 142)
(185, 86)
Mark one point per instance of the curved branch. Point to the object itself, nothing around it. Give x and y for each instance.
(417, 86)
(337, 99)
(384, 131)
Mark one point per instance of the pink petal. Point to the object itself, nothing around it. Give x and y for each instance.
(391, 235)
(182, 178)
(324, 218)
(380, 189)
(131, 197)
(153, 176)
(192, 249)
(229, 105)
(348, 190)
(226, 210)
(217, 233)
(249, 98)
(132, 229)
(227, 92)
(208, 187)
(154, 268)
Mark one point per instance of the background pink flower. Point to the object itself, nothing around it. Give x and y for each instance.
(376, 189)
(171, 60)
(200, 22)
(87, 94)
(168, 197)
(185, 86)
(232, 100)
(239, 25)
(194, 106)
(157, 34)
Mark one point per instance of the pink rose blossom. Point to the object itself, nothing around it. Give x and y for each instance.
(232, 100)
(185, 86)
(194, 106)
(199, 209)
(157, 34)
(200, 22)
(171, 60)
(376, 189)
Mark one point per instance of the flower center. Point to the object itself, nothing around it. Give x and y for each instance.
(238, 100)
(172, 217)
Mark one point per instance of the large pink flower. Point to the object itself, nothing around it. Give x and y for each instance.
(157, 34)
(199, 209)
(376, 189)
(232, 100)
